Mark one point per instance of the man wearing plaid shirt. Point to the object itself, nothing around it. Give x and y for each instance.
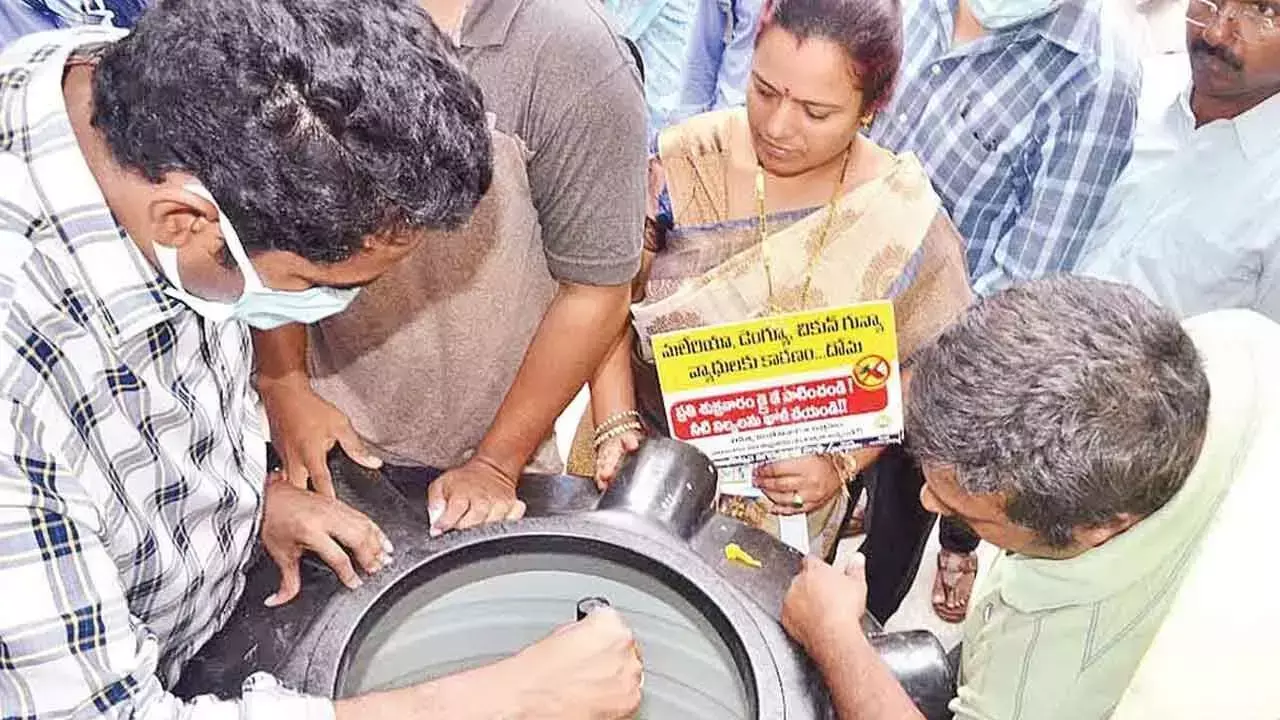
(1023, 112)
(140, 174)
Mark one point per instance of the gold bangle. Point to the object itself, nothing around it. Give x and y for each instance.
(616, 419)
(845, 464)
(617, 432)
(600, 442)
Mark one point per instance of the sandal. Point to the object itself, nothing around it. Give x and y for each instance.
(953, 584)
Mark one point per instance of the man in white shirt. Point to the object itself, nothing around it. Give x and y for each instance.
(1191, 222)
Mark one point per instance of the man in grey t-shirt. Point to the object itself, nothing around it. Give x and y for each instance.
(464, 358)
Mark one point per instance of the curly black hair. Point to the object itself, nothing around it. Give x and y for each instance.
(316, 124)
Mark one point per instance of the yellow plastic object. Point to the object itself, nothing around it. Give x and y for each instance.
(734, 553)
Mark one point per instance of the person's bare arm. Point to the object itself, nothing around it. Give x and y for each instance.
(612, 395)
(588, 669)
(457, 697)
(823, 612)
(304, 426)
(862, 688)
(576, 332)
(612, 387)
(281, 354)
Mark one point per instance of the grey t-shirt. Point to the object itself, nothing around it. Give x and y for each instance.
(562, 82)
(422, 359)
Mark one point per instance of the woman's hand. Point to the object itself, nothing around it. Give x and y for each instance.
(812, 479)
(611, 453)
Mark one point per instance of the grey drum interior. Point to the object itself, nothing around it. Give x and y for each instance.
(491, 606)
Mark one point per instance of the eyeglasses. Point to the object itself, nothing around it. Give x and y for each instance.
(1255, 21)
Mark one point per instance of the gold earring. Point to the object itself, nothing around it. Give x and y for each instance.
(867, 120)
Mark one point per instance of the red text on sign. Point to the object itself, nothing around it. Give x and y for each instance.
(773, 407)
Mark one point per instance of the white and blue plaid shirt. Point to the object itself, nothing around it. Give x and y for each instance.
(131, 456)
(1022, 131)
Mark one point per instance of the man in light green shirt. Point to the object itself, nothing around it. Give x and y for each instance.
(1081, 429)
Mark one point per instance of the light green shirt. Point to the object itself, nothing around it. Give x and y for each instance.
(1060, 639)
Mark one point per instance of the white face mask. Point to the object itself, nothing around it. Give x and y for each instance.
(258, 305)
(1001, 14)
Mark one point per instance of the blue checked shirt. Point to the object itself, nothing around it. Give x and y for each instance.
(718, 65)
(661, 30)
(132, 457)
(1022, 131)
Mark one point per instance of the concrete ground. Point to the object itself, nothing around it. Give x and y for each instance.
(916, 612)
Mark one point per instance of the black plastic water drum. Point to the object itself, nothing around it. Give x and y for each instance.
(651, 547)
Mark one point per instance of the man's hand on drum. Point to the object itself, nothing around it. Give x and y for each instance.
(475, 493)
(295, 520)
(304, 427)
(825, 604)
(589, 670)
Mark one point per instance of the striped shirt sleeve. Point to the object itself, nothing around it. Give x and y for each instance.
(1082, 152)
(69, 645)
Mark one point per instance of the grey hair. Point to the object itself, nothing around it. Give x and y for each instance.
(1077, 399)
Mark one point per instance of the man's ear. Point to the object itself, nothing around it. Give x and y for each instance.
(178, 217)
(1092, 537)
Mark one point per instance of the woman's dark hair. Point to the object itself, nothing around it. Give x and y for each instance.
(315, 124)
(870, 31)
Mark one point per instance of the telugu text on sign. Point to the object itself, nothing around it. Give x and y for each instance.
(812, 382)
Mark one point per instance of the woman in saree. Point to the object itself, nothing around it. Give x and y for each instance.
(786, 206)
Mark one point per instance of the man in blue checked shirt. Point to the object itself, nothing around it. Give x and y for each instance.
(661, 31)
(160, 194)
(1023, 112)
(718, 65)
